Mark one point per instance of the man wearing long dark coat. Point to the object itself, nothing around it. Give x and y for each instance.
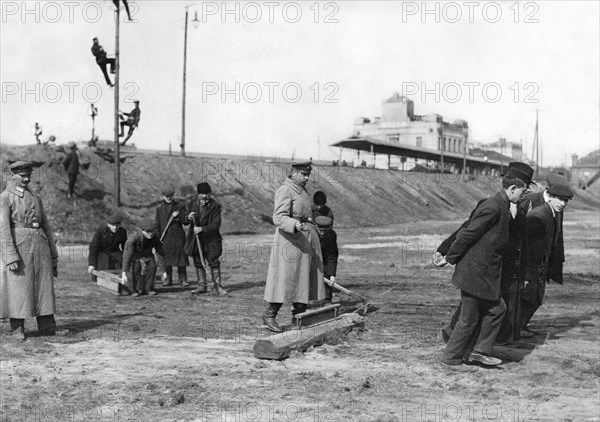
(107, 246)
(29, 256)
(542, 247)
(170, 215)
(205, 215)
(296, 266)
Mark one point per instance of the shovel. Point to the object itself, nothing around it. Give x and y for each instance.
(349, 292)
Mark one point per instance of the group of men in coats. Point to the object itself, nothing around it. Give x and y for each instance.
(505, 253)
(164, 238)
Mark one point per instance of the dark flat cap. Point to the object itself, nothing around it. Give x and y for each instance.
(319, 198)
(168, 191)
(323, 221)
(303, 166)
(521, 171)
(561, 191)
(19, 166)
(203, 187)
(114, 219)
(148, 224)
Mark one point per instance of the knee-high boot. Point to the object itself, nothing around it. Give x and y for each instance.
(269, 317)
(202, 288)
(216, 278)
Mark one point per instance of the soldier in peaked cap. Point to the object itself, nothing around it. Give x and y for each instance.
(29, 256)
(170, 215)
(205, 214)
(512, 268)
(544, 249)
(107, 246)
(329, 250)
(296, 266)
(139, 257)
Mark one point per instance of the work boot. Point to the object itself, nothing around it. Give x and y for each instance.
(216, 278)
(328, 294)
(269, 317)
(169, 279)
(17, 327)
(202, 288)
(182, 276)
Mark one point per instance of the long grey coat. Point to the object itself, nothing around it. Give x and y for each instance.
(296, 265)
(29, 291)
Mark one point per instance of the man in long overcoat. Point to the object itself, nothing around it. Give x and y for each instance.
(107, 246)
(296, 266)
(170, 215)
(29, 256)
(205, 215)
(512, 268)
(478, 253)
(544, 259)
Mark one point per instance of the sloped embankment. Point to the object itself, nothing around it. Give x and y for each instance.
(245, 188)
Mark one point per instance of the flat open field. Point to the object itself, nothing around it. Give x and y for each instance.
(175, 357)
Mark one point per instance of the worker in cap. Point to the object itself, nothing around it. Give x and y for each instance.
(138, 257)
(298, 279)
(204, 242)
(29, 256)
(132, 121)
(169, 226)
(544, 249)
(329, 251)
(102, 60)
(107, 245)
(71, 165)
(319, 206)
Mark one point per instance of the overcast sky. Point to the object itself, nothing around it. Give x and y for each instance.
(493, 63)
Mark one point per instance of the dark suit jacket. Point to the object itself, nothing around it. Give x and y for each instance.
(106, 248)
(480, 247)
(555, 266)
(138, 247)
(209, 218)
(542, 235)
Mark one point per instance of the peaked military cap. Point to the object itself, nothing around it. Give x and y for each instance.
(21, 166)
(303, 166)
(323, 221)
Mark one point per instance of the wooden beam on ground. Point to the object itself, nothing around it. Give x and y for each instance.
(111, 283)
(279, 346)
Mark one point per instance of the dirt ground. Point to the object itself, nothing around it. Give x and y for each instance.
(175, 357)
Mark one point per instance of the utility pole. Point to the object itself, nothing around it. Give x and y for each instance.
(117, 192)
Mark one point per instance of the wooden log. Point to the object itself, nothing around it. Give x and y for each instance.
(111, 283)
(279, 346)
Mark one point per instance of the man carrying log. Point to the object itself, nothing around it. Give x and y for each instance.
(296, 266)
(107, 245)
(169, 219)
(29, 256)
